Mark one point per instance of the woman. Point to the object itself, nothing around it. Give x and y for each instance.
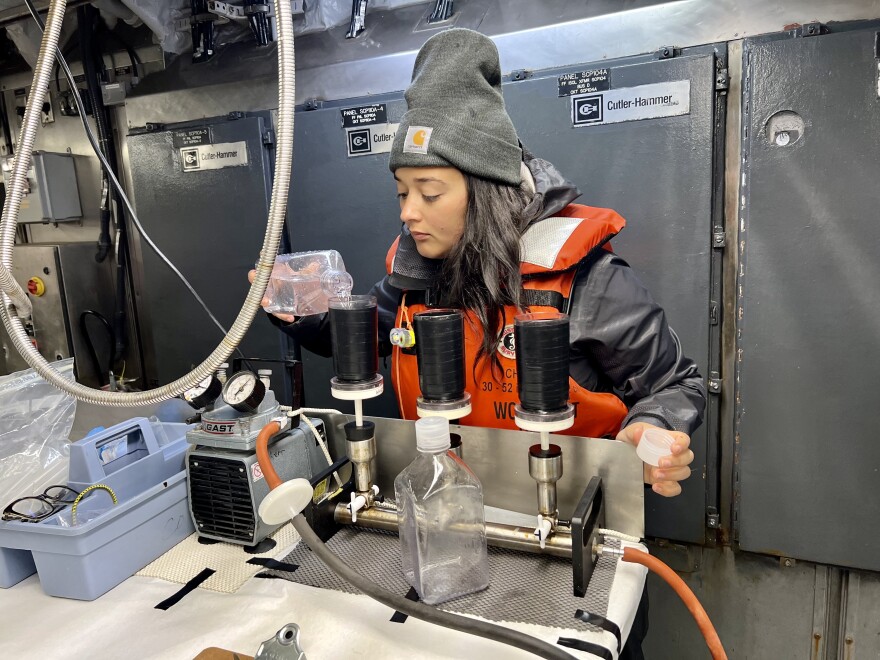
(491, 229)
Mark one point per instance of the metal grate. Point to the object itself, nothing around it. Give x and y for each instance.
(220, 498)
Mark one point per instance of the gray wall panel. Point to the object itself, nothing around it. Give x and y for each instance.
(658, 174)
(809, 334)
(210, 225)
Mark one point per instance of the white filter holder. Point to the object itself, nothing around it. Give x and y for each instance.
(541, 421)
(286, 501)
(356, 391)
(450, 410)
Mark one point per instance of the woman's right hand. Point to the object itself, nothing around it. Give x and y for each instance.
(287, 318)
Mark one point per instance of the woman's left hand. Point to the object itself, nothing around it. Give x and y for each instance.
(664, 479)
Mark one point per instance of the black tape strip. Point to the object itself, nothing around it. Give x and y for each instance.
(586, 647)
(268, 576)
(602, 622)
(400, 617)
(266, 562)
(192, 585)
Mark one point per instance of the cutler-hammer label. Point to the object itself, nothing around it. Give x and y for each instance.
(668, 99)
(213, 156)
(370, 139)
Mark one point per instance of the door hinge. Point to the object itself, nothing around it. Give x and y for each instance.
(520, 74)
(713, 312)
(719, 240)
(667, 52)
(722, 80)
(269, 138)
(312, 104)
(714, 382)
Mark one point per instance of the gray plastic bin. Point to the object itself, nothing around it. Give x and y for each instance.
(111, 542)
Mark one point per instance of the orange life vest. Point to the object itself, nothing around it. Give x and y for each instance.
(552, 251)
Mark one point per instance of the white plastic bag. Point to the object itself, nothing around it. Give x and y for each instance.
(35, 421)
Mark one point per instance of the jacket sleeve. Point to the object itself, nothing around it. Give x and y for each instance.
(313, 332)
(620, 341)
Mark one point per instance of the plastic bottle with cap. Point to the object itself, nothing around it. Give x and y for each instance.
(440, 516)
(654, 445)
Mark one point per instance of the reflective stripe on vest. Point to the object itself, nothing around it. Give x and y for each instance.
(563, 246)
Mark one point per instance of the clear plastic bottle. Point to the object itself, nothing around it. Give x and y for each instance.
(302, 283)
(440, 516)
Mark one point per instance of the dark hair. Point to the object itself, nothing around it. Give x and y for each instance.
(482, 272)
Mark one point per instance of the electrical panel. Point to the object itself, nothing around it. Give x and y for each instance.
(51, 194)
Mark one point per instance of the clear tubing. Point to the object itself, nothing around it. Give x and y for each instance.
(16, 302)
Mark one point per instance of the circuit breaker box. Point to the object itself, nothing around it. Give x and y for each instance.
(52, 193)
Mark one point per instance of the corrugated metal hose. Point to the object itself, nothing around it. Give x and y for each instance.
(16, 303)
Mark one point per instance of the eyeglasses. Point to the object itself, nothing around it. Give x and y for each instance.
(36, 508)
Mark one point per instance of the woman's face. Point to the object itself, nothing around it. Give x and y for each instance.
(433, 205)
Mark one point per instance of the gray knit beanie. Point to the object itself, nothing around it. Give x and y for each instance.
(456, 113)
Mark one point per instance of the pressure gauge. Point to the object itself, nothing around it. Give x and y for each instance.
(203, 394)
(244, 392)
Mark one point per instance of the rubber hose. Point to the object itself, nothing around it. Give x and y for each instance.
(18, 303)
(263, 437)
(120, 316)
(104, 240)
(85, 24)
(86, 16)
(687, 596)
(100, 372)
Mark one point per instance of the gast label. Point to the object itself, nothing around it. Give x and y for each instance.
(220, 428)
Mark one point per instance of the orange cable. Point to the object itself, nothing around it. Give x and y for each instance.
(272, 478)
(687, 596)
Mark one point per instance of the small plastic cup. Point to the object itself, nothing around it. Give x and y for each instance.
(654, 445)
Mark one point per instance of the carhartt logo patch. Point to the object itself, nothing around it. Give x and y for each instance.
(507, 345)
(417, 140)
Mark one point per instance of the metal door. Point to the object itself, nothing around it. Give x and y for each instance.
(658, 174)
(349, 204)
(808, 459)
(208, 217)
